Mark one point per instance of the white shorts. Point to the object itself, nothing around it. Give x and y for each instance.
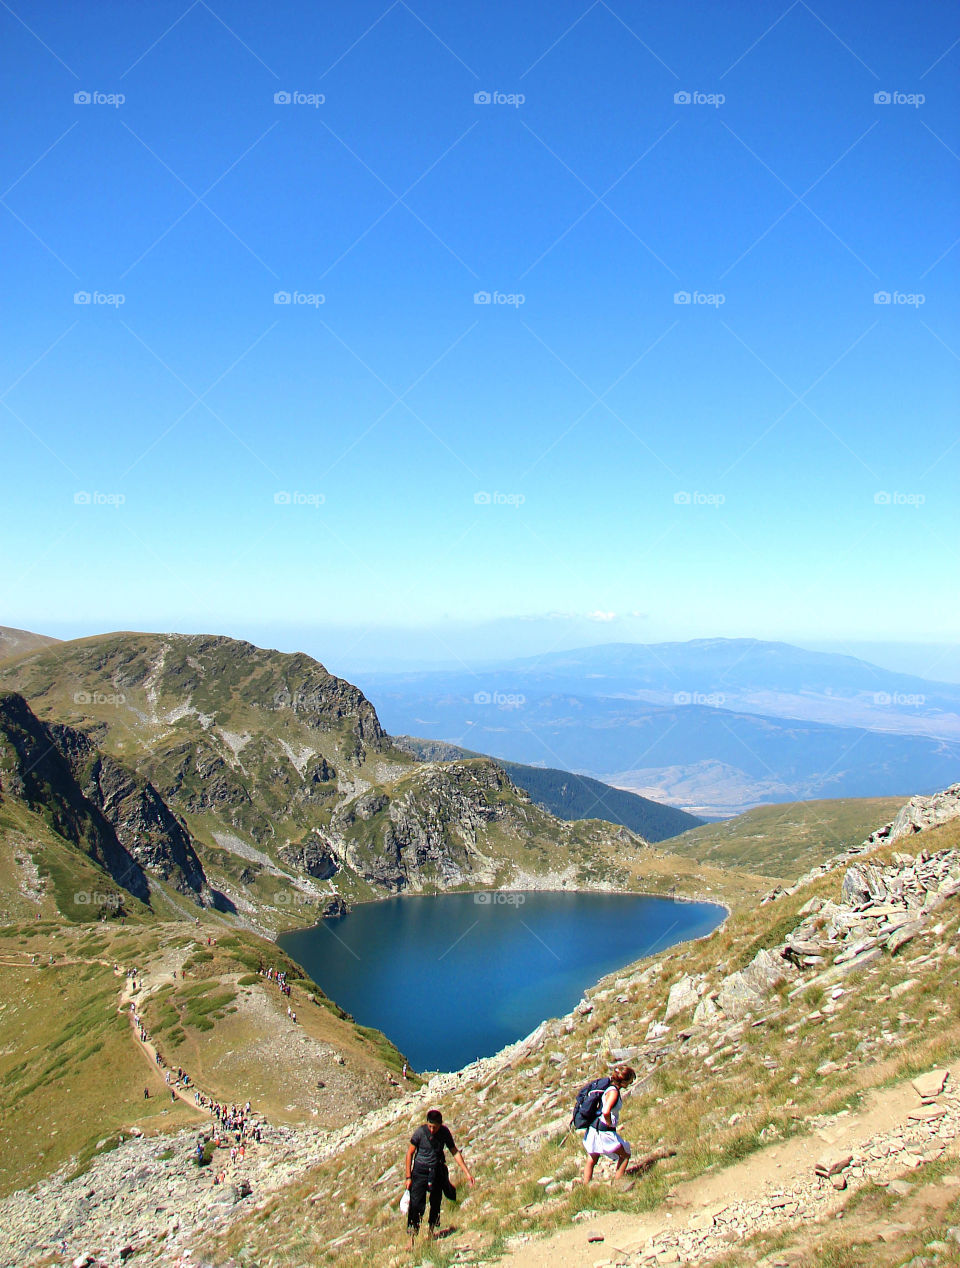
(605, 1143)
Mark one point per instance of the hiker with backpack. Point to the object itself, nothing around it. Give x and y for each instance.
(597, 1110)
(426, 1169)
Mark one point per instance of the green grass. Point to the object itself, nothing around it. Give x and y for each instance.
(787, 840)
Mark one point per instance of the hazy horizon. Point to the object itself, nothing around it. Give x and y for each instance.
(373, 649)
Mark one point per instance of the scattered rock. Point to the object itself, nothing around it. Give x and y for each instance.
(831, 1164)
(930, 1085)
(900, 1187)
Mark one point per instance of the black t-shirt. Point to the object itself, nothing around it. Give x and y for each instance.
(429, 1159)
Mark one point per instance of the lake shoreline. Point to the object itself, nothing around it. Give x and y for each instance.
(524, 963)
(514, 889)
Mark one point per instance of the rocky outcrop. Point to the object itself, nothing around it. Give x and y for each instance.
(115, 817)
(33, 770)
(144, 824)
(311, 856)
(921, 813)
(427, 830)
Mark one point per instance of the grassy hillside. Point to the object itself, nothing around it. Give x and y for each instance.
(72, 1075)
(14, 642)
(570, 796)
(786, 840)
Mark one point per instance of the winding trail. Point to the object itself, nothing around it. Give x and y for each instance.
(149, 1050)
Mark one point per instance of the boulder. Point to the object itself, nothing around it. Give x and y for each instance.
(765, 971)
(683, 995)
(831, 1164)
(863, 884)
(931, 1084)
(903, 935)
(736, 997)
(705, 1011)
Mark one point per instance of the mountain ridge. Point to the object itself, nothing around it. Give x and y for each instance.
(294, 796)
(570, 796)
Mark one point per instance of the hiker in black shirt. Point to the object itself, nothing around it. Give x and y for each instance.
(426, 1168)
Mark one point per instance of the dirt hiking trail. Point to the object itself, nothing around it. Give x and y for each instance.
(894, 1132)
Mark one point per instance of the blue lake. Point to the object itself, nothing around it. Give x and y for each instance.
(458, 976)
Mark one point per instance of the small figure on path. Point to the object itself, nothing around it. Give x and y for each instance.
(426, 1171)
(601, 1139)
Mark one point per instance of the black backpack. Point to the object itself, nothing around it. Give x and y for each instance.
(586, 1108)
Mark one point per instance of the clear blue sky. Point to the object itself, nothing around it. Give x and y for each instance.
(781, 464)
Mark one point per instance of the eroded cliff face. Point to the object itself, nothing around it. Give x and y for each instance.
(143, 823)
(116, 818)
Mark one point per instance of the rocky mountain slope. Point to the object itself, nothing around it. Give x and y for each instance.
(116, 818)
(570, 796)
(261, 782)
(780, 1066)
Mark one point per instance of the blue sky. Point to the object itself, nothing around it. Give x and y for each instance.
(584, 454)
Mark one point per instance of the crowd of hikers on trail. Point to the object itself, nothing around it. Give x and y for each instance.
(236, 1125)
(596, 1112)
(278, 977)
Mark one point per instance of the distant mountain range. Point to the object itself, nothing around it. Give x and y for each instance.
(713, 726)
(570, 796)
